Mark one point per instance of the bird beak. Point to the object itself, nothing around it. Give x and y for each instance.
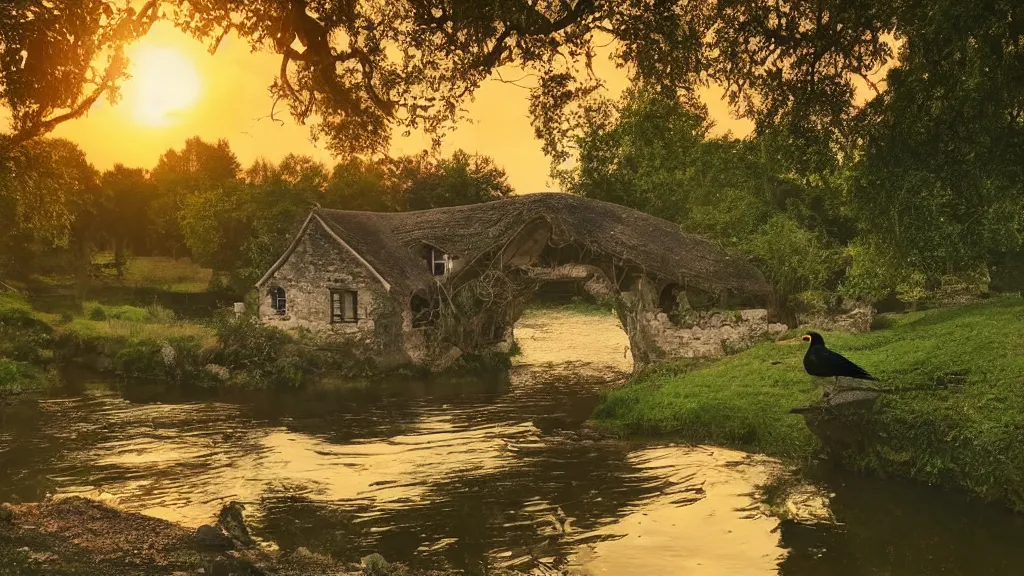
(805, 338)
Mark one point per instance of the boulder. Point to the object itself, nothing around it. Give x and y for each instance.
(211, 539)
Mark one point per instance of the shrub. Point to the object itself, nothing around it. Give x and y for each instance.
(178, 361)
(159, 314)
(23, 336)
(98, 314)
(257, 355)
(17, 377)
(9, 376)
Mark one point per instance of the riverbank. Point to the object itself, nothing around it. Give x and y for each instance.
(955, 417)
(80, 537)
(151, 345)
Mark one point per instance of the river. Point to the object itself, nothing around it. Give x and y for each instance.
(472, 473)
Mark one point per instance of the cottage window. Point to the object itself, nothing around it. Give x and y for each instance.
(344, 306)
(440, 263)
(277, 300)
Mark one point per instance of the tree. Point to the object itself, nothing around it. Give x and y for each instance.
(58, 58)
(359, 69)
(657, 157)
(277, 199)
(200, 172)
(421, 182)
(357, 184)
(937, 185)
(50, 198)
(128, 194)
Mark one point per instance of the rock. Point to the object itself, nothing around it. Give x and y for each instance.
(6, 513)
(167, 354)
(450, 357)
(754, 315)
(841, 420)
(231, 521)
(211, 539)
(218, 371)
(376, 565)
(857, 319)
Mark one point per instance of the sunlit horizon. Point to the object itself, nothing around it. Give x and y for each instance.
(226, 96)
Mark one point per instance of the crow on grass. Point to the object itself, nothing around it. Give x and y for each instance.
(822, 362)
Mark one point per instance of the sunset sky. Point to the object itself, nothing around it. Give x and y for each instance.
(225, 96)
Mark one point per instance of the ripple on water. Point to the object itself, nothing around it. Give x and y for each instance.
(468, 474)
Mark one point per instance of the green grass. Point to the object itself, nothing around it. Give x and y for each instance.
(583, 308)
(956, 417)
(165, 273)
(20, 377)
(136, 330)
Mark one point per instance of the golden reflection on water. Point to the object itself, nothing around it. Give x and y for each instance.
(707, 520)
(556, 337)
(707, 523)
(188, 476)
(675, 510)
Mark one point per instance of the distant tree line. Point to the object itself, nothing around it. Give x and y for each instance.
(200, 202)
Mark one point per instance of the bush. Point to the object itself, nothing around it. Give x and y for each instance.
(258, 356)
(23, 336)
(100, 313)
(17, 377)
(793, 259)
(178, 361)
(159, 314)
(9, 375)
(97, 314)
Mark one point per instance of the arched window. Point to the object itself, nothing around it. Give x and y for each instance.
(277, 300)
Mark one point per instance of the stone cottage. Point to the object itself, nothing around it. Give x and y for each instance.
(426, 285)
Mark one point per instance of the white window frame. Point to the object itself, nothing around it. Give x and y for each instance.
(279, 300)
(439, 257)
(341, 319)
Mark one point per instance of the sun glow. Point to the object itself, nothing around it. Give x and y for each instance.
(164, 85)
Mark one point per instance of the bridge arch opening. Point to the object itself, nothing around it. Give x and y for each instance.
(561, 323)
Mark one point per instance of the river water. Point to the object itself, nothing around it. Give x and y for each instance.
(472, 474)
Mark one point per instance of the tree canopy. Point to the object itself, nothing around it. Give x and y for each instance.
(360, 68)
(888, 143)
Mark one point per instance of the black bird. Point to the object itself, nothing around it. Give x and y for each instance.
(820, 361)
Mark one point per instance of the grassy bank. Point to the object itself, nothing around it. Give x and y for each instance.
(956, 417)
(151, 345)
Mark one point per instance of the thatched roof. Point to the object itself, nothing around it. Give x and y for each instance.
(387, 241)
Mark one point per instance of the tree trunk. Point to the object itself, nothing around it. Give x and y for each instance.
(83, 260)
(119, 256)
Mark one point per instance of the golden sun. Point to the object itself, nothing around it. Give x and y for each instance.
(164, 84)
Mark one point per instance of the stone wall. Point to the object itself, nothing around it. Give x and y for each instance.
(853, 318)
(318, 264)
(712, 333)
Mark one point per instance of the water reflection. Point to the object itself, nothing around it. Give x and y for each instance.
(475, 474)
